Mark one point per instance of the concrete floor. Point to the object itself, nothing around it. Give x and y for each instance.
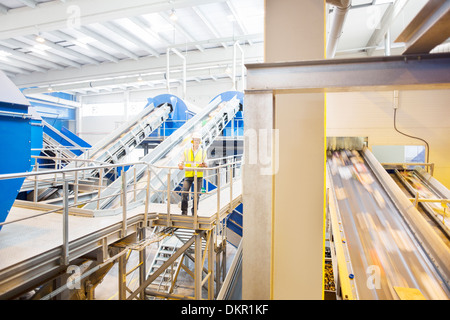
(108, 288)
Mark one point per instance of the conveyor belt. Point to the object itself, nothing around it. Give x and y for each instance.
(117, 144)
(209, 122)
(412, 182)
(385, 253)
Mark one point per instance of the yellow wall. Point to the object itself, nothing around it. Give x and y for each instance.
(298, 197)
(421, 113)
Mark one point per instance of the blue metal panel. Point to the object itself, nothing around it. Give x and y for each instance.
(228, 95)
(15, 141)
(72, 136)
(176, 118)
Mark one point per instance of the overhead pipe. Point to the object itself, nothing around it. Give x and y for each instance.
(341, 9)
(236, 45)
(387, 43)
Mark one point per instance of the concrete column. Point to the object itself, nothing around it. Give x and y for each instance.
(257, 198)
(283, 188)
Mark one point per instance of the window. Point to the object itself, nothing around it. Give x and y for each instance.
(102, 109)
(399, 154)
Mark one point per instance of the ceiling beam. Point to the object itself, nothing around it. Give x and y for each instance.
(391, 13)
(414, 72)
(142, 23)
(237, 19)
(8, 67)
(233, 39)
(55, 15)
(195, 59)
(44, 55)
(133, 81)
(20, 64)
(208, 24)
(181, 30)
(29, 3)
(29, 58)
(108, 42)
(429, 28)
(73, 40)
(63, 50)
(3, 9)
(130, 37)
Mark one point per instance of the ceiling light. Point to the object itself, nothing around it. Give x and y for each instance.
(139, 78)
(40, 39)
(4, 53)
(173, 16)
(49, 88)
(40, 47)
(85, 39)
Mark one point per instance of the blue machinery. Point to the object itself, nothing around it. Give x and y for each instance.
(16, 128)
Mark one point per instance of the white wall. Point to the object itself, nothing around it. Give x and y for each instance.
(421, 113)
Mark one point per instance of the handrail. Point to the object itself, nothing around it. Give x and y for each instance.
(65, 207)
(408, 164)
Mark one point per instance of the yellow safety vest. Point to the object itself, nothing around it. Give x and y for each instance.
(190, 160)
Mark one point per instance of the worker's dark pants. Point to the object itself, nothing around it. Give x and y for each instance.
(185, 196)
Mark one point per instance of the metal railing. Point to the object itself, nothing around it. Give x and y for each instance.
(70, 176)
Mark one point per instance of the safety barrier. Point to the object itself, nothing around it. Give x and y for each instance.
(69, 177)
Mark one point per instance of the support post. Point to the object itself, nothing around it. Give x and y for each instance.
(198, 267)
(124, 203)
(65, 247)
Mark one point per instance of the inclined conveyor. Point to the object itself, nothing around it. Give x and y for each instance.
(210, 121)
(119, 143)
(428, 195)
(383, 248)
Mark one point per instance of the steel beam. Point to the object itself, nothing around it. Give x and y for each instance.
(362, 74)
(55, 15)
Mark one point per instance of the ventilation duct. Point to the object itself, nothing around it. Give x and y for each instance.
(339, 14)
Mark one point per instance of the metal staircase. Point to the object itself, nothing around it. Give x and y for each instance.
(165, 281)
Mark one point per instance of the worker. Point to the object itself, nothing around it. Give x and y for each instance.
(193, 156)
